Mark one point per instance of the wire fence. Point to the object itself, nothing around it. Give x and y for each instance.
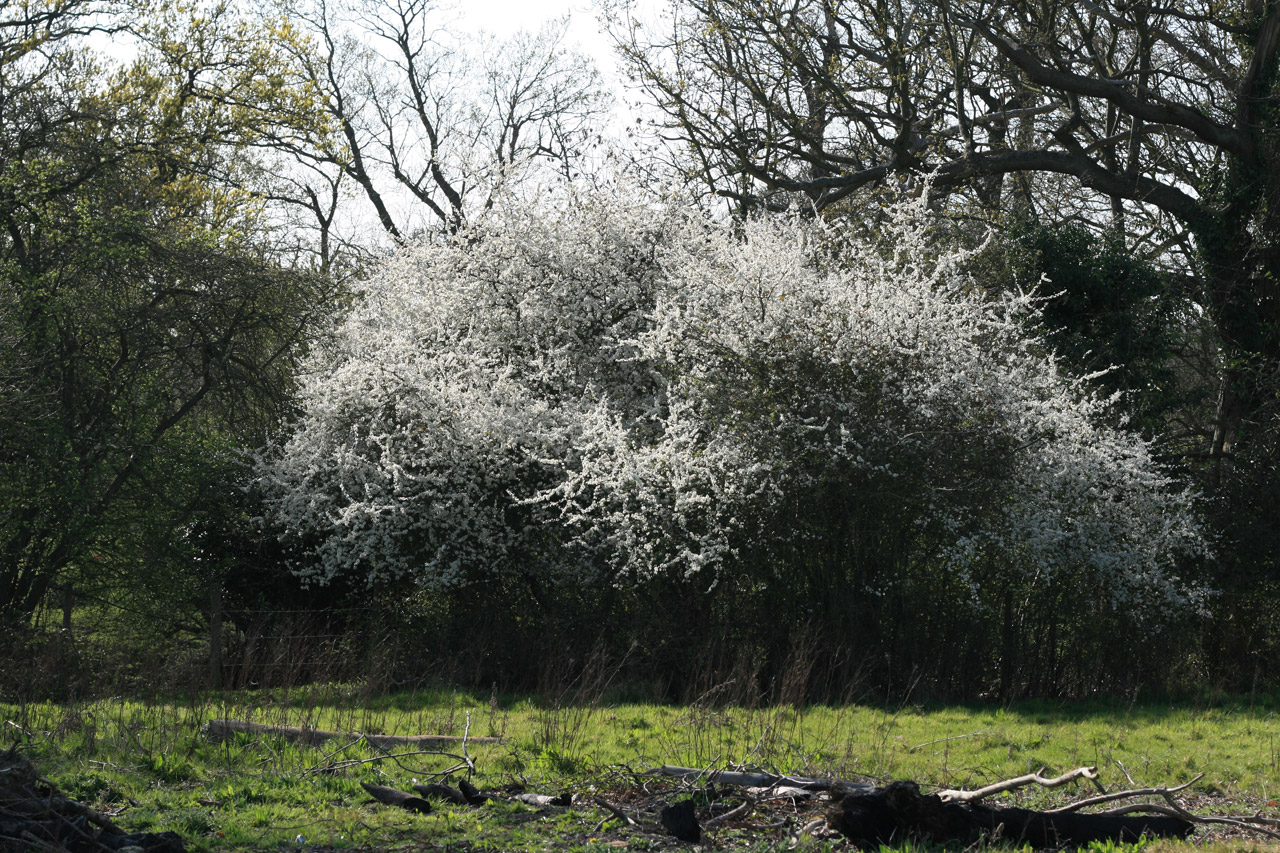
(92, 644)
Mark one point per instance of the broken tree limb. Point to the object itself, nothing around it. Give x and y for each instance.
(220, 730)
(321, 767)
(1124, 795)
(1245, 823)
(755, 780)
(898, 810)
(741, 811)
(394, 797)
(390, 756)
(1173, 808)
(543, 800)
(954, 796)
(612, 810)
(871, 816)
(36, 816)
(780, 792)
(438, 791)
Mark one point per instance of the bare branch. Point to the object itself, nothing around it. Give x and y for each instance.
(957, 796)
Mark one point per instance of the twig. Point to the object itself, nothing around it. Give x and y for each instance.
(1154, 808)
(466, 733)
(953, 737)
(314, 767)
(1256, 818)
(748, 780)
(614, 811)
(30, 734)
(1122, 795)
(747, 805)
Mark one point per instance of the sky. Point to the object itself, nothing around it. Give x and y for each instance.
(504, 18)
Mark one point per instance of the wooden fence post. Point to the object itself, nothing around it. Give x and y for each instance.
(215, 635)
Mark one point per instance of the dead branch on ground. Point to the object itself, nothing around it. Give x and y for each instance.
(220, 730)
(956, 796)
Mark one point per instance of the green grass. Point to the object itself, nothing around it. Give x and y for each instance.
(147, 763)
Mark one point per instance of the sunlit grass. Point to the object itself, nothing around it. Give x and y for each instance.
(149, 764)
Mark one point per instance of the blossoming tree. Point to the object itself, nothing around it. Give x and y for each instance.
(621, 391)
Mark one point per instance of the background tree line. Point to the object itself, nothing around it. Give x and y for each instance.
(182, 229)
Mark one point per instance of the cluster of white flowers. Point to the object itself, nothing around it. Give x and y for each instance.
(627, 389)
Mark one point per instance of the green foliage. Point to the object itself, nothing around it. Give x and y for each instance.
(1106, 312)
(149, 329)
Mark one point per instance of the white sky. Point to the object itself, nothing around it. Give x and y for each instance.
(505, 17)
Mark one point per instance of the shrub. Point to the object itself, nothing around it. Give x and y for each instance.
(628, 393)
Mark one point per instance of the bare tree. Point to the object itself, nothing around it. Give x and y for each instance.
(432, 128)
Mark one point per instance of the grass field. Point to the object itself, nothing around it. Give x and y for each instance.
(148, 765)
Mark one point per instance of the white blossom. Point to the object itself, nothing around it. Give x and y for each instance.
(623, 390)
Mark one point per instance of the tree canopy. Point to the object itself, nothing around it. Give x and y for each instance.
(149, 326)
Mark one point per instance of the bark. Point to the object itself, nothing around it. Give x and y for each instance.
(438, 791)
(399, 799)
(680, 821)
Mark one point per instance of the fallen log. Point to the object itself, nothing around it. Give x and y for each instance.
(870, 815)
(438, 791)
(898, 811)
(395, 797)
(220, 730)
(747, 779)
